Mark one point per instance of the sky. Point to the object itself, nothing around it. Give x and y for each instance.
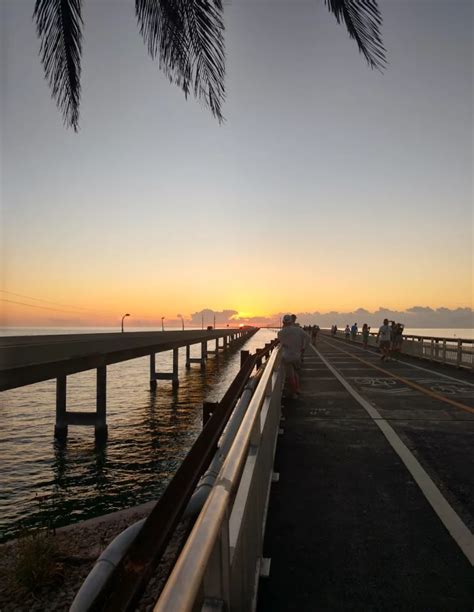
(329, 187)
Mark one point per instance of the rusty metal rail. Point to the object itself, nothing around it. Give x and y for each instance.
(128, 581)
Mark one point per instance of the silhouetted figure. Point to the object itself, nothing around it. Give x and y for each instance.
(365, 335)
(294, 341)
(384, 338)
(354, 330)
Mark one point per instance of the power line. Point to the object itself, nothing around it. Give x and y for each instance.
(36, 306)
(41, 300)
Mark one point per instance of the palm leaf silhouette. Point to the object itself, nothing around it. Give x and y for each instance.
(187, 36)
(58, 23)
(363, 21)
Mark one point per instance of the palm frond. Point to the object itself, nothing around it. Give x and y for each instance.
(363, 21)
(58, 24)
(187, 36)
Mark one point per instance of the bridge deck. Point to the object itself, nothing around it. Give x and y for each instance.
(28, 359)
(349, 526)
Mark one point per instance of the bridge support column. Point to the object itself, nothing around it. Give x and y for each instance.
(60, 429)
(173, 376)
(175, 368)
(188, 356)
(216, 350)
(101, 403)
(201, 360)
(153, 383)
(98, 418)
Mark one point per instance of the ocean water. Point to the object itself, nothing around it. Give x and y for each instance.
(44, 482)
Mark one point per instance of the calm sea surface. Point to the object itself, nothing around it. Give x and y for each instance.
(45, 482)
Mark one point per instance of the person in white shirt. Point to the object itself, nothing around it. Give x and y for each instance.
(294, 341)
(384, 338)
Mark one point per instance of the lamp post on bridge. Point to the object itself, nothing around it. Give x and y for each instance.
(182, 320)
(162, 324)
(125, 315)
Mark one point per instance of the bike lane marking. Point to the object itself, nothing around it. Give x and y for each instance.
(449, 517)
(411, 384)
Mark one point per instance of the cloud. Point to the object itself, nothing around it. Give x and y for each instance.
(414, 317)
(206, 316)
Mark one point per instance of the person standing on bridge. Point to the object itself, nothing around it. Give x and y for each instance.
(294, 341)
(354, 330)
(384, 338)
(365, 335)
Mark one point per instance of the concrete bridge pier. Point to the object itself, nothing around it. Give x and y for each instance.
(216, 349)
(98, 418)
(201, 360)
(173, 376)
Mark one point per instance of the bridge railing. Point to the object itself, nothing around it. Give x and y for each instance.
(220, 564)
(453, 351)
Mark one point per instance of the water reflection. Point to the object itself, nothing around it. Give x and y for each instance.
(57, 483)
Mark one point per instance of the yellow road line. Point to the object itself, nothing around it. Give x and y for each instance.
(409, 383)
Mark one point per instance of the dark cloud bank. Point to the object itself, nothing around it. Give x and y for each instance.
(417, 316)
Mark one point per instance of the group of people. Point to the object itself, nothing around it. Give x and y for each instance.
(294, 341)
(313, 331)
(389, 337)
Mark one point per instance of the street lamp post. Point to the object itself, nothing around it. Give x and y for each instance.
(182, 320)
(125, 315)
(162, 324)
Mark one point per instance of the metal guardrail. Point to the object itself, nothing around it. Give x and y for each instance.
(127, 582)
(219, 566)
(458, 352)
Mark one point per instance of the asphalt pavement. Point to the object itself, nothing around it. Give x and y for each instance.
(365, 447)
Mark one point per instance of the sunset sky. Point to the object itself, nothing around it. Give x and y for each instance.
(329, 187)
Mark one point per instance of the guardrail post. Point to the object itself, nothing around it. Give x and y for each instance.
(216, 582)
(153, 383)
(101, 406)
(444, 351)
(258, 363)
(243, 357)
(431, 349)
(60, 428)
(459, 354)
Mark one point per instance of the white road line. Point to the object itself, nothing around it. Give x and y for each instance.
(412, 365)
(450, 519)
